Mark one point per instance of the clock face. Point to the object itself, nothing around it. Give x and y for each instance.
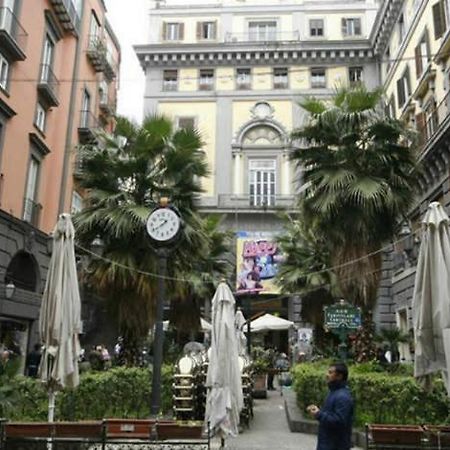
(163, 224)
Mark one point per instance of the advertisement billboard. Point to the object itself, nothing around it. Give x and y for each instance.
(257, 260)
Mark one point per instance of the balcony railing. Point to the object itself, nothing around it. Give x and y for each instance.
(428, 128)
(101, 58)
(67, 14)
(48, 86)
(255, 202)
(32, 212)
(108, 104)
(263, 38)
(13, 37)
(89, 127)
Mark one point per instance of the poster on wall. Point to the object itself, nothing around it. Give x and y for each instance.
(257, 260)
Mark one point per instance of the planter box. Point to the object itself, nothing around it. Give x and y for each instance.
(25, 430)
(396, 434)
(438, 436)
(174, 431)
(87, 430)
(260, 385)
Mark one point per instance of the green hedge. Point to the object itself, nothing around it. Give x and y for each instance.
(119, 392)
(379, 397)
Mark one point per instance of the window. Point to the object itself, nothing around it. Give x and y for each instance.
(103, 90)
(316, 27)
(186, 122)
(355, 75)
(439, 18)
(351, 26)
(206, 30)
(41, 116)
(85, 109)
(387, 57)
(318, 79)
(170, 80)
(403, 88)
(94, 32)
(77, 203)
(262, 31)
(243, 79)
(206, 80)
(401, 29)
(422, 55)
(431, 118)
(47, 60)
(262, 182)
(173, 31)
(390, 107)
(30, 207)
(4, 71)
(280, 78)
(6, 16)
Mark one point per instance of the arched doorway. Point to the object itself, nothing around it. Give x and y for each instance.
(23, 272)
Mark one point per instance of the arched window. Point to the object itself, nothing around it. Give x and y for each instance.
(23, 272)
(262, 135)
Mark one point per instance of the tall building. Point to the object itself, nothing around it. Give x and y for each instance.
(411, 40)
(236, 70)
(59, 63)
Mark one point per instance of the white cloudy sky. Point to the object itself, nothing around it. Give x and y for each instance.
(129, 22)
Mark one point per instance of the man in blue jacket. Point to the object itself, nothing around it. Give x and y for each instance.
(336, 416)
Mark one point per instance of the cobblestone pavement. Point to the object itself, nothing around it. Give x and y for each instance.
(269, 429)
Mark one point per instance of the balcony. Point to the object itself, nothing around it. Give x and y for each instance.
(67, 15)
(48, 86)
(270, 37)
(89, 128)
(108, 104)
(101, 58)
(435, 121)
(32, 212)
(255, 203)
(13, 38)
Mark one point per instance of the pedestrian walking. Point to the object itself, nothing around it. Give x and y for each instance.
(336, 415)
(33, 361)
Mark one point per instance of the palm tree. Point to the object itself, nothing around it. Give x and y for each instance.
(361, 172)
(124, 176)
(362, 176)
(304, 271)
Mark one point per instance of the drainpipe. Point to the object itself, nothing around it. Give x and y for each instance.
(70, 121)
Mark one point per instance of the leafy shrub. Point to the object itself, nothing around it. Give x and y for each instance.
(379, 397)
(119, 392)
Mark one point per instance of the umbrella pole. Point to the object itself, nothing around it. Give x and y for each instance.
(51, 405)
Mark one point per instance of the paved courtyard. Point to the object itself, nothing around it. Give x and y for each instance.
(269, 429)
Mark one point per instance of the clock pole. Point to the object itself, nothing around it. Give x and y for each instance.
(159, 333)
(164, 228)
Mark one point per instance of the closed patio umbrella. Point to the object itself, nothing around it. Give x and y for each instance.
(431, 301)
(59, 320)
(239, 322)
(224, 401)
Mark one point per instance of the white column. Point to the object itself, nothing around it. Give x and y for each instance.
(237, 173)
(285, 174)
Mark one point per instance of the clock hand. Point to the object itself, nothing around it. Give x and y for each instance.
(160, 225)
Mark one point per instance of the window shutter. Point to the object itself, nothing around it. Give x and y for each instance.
(418, 57)
(344, 27)
(439, 19)
(181, 35)
(164, 31)
(392, 103)
(199, 30)
(408, 83)
(214, 32)
(357, 26)
(420, 127)
(400, 93)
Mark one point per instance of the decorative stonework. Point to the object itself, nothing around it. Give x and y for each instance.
(262, 110)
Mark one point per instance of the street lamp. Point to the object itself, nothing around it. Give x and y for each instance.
(164, 229)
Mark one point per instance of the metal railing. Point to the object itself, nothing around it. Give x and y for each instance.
(32, 211)
(246, 201)
(49, 79)
(108, 102)
(67, 13)
(263, 37)
(10, 24)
